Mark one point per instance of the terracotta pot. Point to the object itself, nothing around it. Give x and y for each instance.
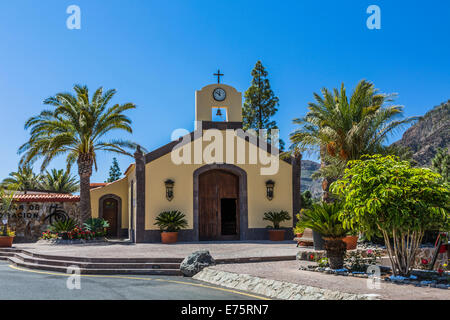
(276, 235)
(169, 237)
(351, 242)
(299, 235)
(6, 242)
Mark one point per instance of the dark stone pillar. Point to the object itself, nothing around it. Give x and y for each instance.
(139, 227)
(296, 186)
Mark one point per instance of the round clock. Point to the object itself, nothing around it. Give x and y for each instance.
(219, 94)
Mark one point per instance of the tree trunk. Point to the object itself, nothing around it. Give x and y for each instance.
(336, 249)
(326, 181)
(402, 251)
(85, 162)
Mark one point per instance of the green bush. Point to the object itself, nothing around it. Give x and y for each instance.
(171, 221)
(384, 194)
(324, 219)
(97, 225)
(62, 226)
(276, 218)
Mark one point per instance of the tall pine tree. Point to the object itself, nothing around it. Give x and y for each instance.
(114, 172)
(260, 103)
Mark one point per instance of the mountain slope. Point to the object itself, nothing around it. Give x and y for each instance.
(432, 131)
(314, 186)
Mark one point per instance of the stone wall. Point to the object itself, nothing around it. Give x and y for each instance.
(273, 288)
(30, 219)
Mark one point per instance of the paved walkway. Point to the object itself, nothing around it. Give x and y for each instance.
(288, 271)
(219, 250)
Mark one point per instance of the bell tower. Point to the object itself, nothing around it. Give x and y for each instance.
(218, 103)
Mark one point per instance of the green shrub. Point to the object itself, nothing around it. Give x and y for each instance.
(97, 225)
(384, 194)
(276, 218)
(61, 226)
(324, 219)
(171, 221)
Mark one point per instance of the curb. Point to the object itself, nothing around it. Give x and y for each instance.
(274, 288)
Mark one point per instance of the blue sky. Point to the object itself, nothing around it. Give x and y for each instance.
(157, 53)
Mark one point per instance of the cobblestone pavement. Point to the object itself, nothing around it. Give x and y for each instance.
(288, 271)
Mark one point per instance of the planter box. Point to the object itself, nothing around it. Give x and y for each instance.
(6, 242)
(169, 237)
(276, 235)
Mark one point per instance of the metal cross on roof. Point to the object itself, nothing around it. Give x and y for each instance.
(218, 74)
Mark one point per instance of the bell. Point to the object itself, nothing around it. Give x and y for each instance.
(219, 113)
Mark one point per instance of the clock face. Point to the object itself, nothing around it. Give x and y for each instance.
(219, 94)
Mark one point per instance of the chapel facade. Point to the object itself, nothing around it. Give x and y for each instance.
(222, 178)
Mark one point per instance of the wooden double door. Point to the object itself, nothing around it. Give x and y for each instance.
(218, 206)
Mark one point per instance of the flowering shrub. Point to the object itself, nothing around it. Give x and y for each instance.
(9, 232)
(424, 264)
(77, 233)
(48, 235)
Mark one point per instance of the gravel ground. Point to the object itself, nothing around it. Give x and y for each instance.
(218, 250)
(288, 271)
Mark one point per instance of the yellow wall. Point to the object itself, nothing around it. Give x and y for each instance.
(131, 179)
(163, 168)
(118, 188)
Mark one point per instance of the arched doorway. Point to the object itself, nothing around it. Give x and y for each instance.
(110, 209)
(218, 205)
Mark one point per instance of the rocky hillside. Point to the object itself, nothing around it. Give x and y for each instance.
(314, 186)
(432, 131)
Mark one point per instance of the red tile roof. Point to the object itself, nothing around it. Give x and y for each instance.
(51, 197)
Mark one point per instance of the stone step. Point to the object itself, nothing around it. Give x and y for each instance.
(63, 269)
(89, 265)
(93, 260)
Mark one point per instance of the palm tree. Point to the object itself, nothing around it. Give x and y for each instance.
(24, 179)
(76, 127)
(342, 129)
(60, 181)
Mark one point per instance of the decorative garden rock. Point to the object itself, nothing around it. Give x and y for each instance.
(196, 262)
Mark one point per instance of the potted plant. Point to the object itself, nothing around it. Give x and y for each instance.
(6, 201)
(275, 233)
(170, 222)
(298, 231)
(324, 219)
(7, 238)
(351, 240)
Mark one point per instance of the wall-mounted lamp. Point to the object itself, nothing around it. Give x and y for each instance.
(270, 184)
(169, 189)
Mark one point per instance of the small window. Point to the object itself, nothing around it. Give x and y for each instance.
(219, 114)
